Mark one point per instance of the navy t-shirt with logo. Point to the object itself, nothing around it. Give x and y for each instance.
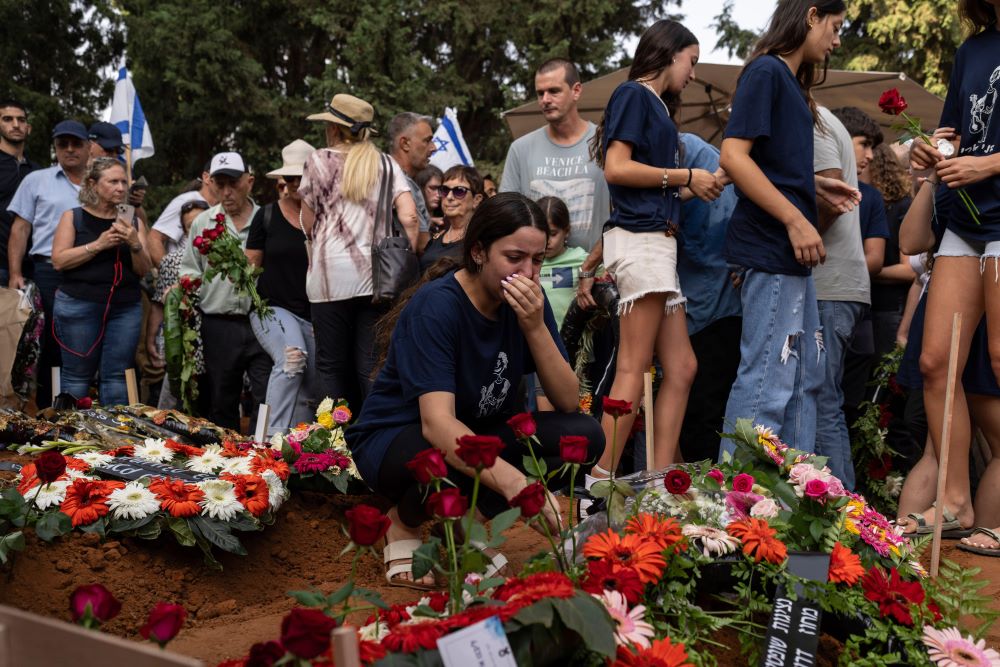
(970, 108)
(636, 116)
(443, 343)
(770, 108)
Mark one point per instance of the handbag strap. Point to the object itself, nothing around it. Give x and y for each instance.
(381, 211)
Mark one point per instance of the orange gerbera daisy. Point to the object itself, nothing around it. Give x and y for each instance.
(230, 449)
(264, 461)
(77, 464)
(86, 501)
(662, 653)
(759, 540)
(642, 554)
(665, 532)
(28, 478)
(176, 497)
(845, 566)
(185, 450)
(252, 491)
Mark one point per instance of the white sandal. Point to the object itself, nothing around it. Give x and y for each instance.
(402, 550)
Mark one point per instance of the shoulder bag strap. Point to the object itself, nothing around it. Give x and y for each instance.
(390, 229)
(379, 212)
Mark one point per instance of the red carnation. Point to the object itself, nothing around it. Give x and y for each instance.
(428, 465)
(891, 102)
(522, 424)
(574, 448)
(616, 408)
(479, 451)
(448, 504)
(95, 599)
(306, 632)
(530, 499)
(893, 595)
(164, 622)
(677, 481)
(410, 637)
(366, 525)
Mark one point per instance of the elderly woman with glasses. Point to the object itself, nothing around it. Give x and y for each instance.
(100, 252)
(461, 193)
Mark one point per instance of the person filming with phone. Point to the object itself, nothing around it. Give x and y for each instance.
(100, 251)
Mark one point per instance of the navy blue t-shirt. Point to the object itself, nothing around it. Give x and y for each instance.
(443, 343)
(873, 220)
(636, 116)
(770, 108)
(969, 108)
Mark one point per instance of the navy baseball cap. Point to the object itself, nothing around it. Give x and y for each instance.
(70, 128)
(106, 135)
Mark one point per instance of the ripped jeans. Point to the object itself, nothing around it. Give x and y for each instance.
(782, 359)
(291, 392)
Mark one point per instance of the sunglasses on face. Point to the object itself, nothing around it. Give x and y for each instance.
(458, 191)
(66, 142)
(292, 180)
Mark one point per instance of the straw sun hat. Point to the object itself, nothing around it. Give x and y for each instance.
(349, 111)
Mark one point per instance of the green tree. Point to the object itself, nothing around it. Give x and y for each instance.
(58, 55)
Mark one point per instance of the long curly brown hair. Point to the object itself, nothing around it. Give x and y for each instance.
(888, 175)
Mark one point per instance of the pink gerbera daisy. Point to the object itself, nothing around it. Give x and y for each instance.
(948, 648)
(630, 628)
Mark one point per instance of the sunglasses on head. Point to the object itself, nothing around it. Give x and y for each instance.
(459, 191)
(189, 206)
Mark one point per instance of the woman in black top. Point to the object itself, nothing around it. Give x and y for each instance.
(97, 312)
(278, 242)
(461, 192)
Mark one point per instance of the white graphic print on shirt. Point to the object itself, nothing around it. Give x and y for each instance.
(493, 395)
(981, 115)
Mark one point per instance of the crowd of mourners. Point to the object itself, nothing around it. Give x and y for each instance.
(763, 280)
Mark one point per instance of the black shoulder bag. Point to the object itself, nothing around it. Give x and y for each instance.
(394, 264)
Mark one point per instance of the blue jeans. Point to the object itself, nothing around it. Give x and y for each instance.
(78, 325)
(839, 318)
(781, 359)
(291, 387)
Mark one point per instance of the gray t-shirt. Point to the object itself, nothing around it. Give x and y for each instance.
(537, 167)
(844, 275)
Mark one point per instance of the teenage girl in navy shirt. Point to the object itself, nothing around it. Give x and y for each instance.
(966, 275)
(768, 153)
(458, 351)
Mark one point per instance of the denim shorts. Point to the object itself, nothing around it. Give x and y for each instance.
(953, 245)
(642, 263)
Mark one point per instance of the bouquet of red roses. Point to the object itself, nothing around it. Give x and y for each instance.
(894, 104)
(225, 257)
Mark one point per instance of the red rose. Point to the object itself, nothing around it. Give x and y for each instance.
(616, 408)
(198, 242)
(479, 451)
(574, 448)
(264, 654)
(531, 500)
(743, 483)
(220, 218)
(717, 475)
(84, 403)
(428, 465)
(522, 424)
(880, 468)
(366, 525)
(677, 481)
(205, 249)
(50, 466)
(164, 622)
(103, 606)
(448, 504)
(891, 102)
(306, 632)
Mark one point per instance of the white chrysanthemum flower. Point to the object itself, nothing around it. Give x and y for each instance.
(73, 473)
(326, 405)
(714, 542)
(134, 501)
(893, 485)
(153, 450)
(208, 462)
(94, 458)
(374, 632)
(48, 495)
(220, 500)
(276, 491)
(237, 465)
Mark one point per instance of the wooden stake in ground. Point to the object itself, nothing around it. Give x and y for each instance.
(346, 652)
(647, 409)
(949, 406)
(131, 386)
(56, 382)
(260, 433)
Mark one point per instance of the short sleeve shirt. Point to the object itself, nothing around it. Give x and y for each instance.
(41, 199)
(442, 343)
(770, 108)
(169, 223)
(969, 107)
(636, 116)
(873, 221)
(341, 264)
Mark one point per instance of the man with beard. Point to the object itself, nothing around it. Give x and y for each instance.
(554, 160)
(411, 143)
(14, 166)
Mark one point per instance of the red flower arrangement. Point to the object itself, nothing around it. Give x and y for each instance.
(176, 497)
(224, 255)
(604, 575)
(893, 595)
(87, 500)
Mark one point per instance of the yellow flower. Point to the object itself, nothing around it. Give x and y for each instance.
(325, 420)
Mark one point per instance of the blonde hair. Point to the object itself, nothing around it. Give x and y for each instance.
(96, 167)
(362, 165)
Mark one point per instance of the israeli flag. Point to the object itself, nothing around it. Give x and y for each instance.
(127, 116)
(449, 144)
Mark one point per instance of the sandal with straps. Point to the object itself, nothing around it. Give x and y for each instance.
(402, 550)
(983, 551)
(951, 529)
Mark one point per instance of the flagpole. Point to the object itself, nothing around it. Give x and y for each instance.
(128, 166)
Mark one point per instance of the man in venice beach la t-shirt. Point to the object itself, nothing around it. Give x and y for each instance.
(554, 160)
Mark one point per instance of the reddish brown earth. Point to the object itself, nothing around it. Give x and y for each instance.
(244, 603)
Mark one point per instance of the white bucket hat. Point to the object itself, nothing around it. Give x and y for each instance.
(293, 157)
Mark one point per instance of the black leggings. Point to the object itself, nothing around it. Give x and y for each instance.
(396, 482)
